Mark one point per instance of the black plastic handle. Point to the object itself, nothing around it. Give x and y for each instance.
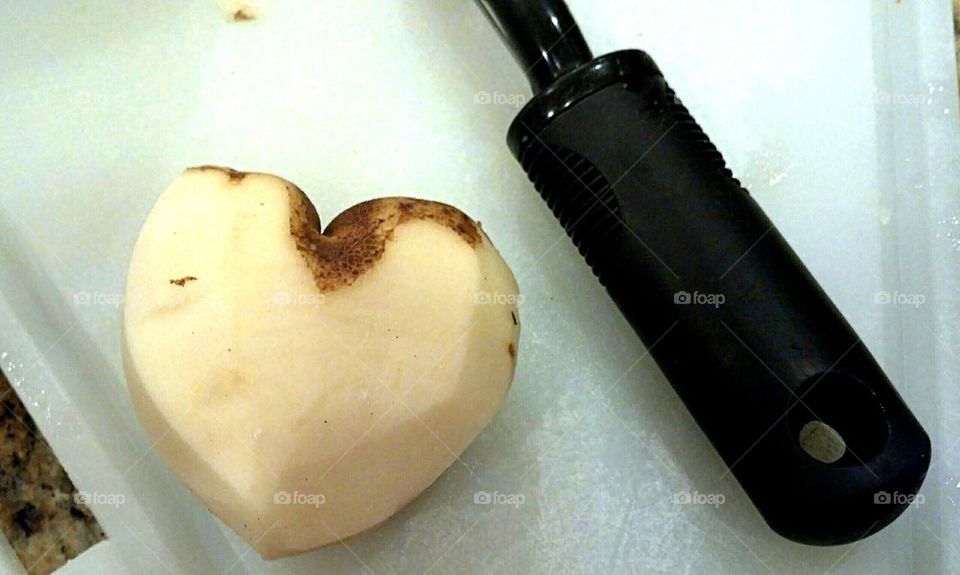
(782, 386)
(746, 336)
(543, 36)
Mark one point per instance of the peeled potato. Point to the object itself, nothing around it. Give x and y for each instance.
(306, 385)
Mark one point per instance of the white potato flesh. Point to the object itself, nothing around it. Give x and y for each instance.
(307, 387)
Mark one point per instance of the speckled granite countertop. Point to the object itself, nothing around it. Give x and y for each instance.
(39, 513)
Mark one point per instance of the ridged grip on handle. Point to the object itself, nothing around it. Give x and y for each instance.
(744, 333)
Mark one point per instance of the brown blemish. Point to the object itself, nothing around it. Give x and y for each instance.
(513, 316)
(242, 16)
(512, 351)
(234, 176)
(226, 384)
(183, 281)
(355, 240)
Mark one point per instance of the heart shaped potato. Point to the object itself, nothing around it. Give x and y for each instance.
(306, 385)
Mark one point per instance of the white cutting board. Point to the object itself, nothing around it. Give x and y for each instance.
(841, 117)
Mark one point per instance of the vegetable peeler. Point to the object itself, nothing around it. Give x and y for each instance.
(785, 390)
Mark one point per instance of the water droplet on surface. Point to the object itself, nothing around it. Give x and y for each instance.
(885, 215)
(777, 178)
(951, 233)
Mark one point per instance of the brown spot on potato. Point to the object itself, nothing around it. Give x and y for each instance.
(225, 384)
(512, 351)
(235, 176)
(355, 240)
(183, 281)
(242, 16)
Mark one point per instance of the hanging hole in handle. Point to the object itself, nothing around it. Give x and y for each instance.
(839, 421)
(822, 442)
